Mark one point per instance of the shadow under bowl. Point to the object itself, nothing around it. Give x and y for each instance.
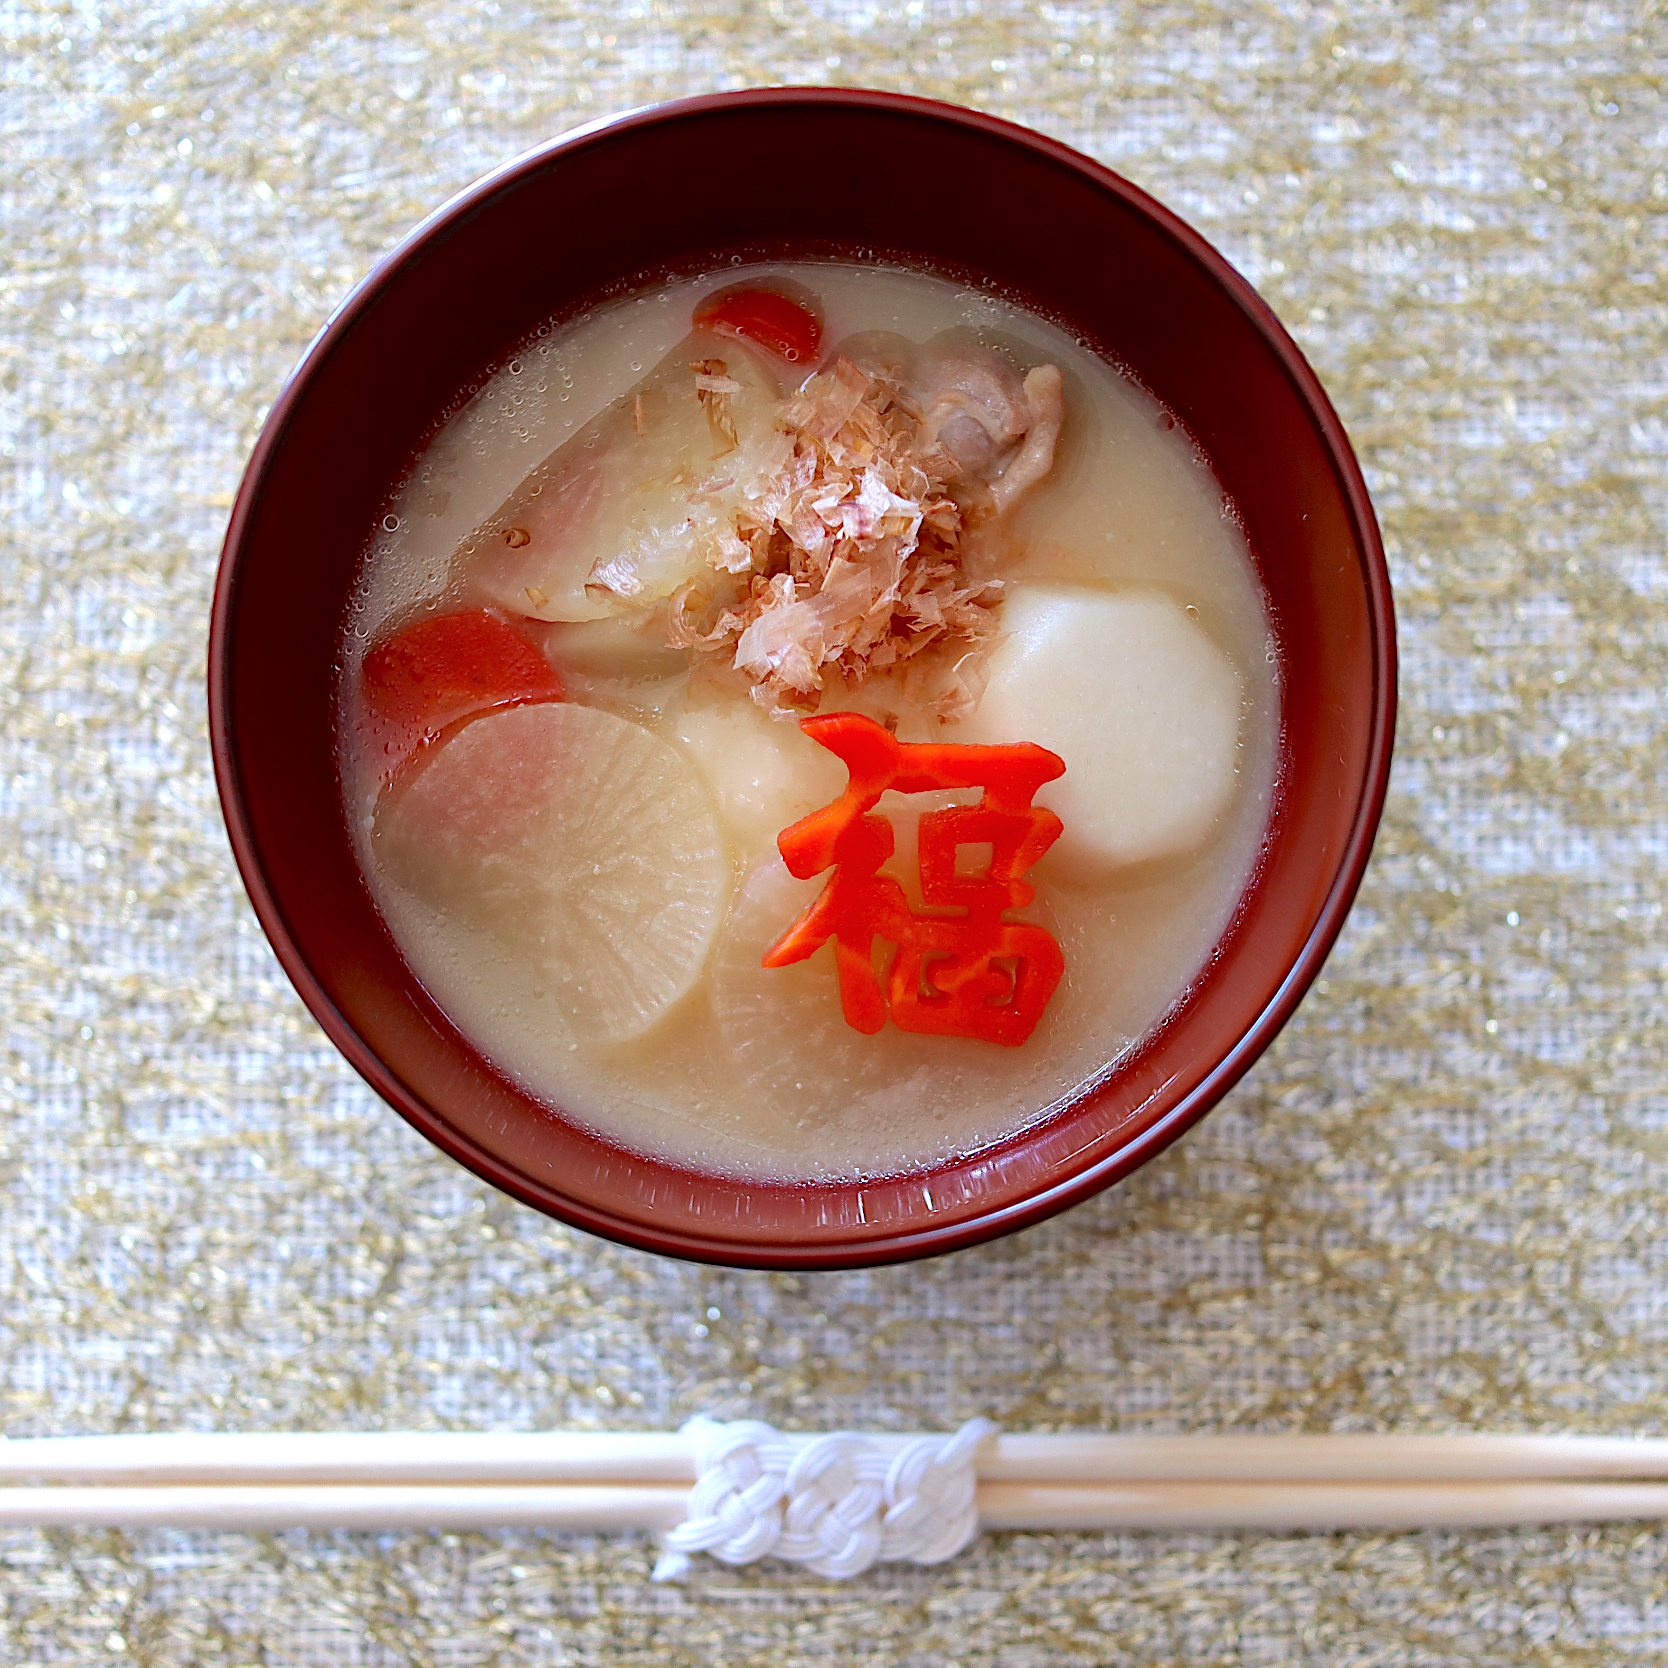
(682, 187)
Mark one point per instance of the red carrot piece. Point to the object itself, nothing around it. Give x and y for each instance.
(439, 671)
(772, 321)
(976, 974)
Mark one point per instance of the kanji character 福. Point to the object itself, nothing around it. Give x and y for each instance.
(972, 974)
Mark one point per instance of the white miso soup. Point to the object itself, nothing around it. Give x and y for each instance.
(923, 518)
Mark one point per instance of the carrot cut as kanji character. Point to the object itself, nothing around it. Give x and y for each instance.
(977, 974)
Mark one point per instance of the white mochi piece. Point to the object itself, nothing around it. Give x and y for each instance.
(1143, 707)
(764, 774)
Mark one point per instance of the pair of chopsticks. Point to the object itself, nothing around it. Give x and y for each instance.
(641, 1480)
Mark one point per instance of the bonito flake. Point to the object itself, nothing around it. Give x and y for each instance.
(845, 556)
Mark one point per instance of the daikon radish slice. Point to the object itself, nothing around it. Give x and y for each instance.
(575, 839)
(622, 646)
(636, 502)
(783, 1026)
(765, 775)
(1144, 708)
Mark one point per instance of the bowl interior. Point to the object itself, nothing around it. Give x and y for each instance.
(683, 188)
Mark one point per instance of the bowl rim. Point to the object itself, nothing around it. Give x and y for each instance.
(916, 1242)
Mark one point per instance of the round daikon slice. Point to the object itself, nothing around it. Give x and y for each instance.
(578, 841)
(784, 1027)
(1140, 703)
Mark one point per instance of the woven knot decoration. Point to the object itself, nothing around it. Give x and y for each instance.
(835, 1503)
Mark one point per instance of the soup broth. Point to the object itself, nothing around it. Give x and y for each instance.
(618, 577)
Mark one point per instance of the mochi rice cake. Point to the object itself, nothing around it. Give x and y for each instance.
(805, 722)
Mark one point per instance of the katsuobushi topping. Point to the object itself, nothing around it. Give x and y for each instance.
(789, 526)
(846, 550)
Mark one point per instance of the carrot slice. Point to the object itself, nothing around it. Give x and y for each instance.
(974, 974)
(439, 671)
(772, 321)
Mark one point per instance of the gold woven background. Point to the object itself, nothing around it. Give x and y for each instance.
(1435, 1204)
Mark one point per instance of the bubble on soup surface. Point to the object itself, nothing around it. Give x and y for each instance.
(584, 845)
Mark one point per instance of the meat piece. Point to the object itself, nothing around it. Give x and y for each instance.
(999, 430)
(974, 407)
(1045, 402)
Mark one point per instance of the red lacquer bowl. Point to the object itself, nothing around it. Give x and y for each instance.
(683, 187)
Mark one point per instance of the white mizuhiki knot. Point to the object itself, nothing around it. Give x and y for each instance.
(836, 1504)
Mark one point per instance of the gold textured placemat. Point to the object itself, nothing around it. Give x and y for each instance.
(1435, 1204)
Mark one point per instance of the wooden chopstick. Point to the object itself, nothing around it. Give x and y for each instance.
(366, 1457)
(1311, 1505)
(345, 1506)
(1346, 1457)
(561, 1458)
(1169, 1505)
